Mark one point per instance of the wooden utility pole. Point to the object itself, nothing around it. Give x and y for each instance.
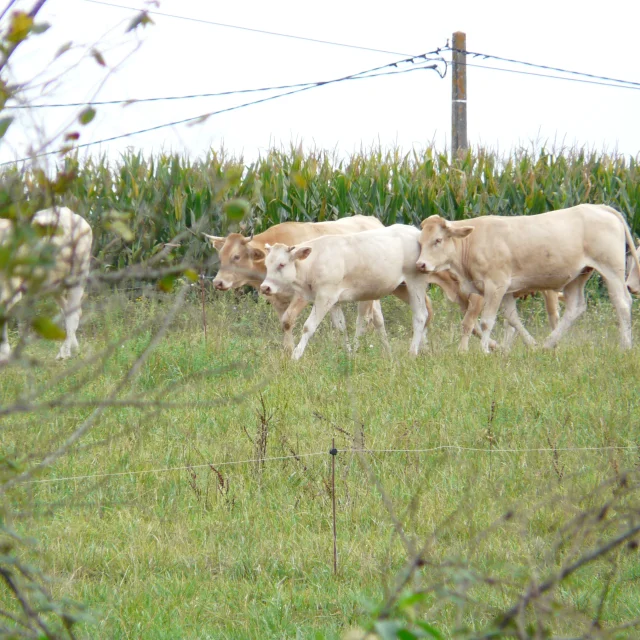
(459, 94)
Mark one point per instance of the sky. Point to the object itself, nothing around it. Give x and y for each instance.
(406, 111)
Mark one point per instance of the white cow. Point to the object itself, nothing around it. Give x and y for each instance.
(71, 236)
(498, 256)
(357, 267)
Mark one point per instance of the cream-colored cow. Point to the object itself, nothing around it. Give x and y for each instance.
(358, 267)
(471, 306)
(498, 256)
(242, 262)
(71, 236)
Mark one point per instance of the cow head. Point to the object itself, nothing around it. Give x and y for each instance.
(281, 268)
(437, 249)
(633, 279)
(241, 261)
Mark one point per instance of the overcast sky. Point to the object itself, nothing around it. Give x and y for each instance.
(177, 57)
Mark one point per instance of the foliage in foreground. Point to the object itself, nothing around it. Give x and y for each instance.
(245, 550)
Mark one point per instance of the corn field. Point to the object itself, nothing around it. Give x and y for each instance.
(138, 204)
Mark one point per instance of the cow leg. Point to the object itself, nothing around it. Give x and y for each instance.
(378, 323)
(575, 306)
(72, 310)
(512, 317)
(417, 301)
(320, 309)
(492, 299)
(339, 322)
(5, 349)
(622, 302)
(551, 305)
(473, 309)
(288, 312)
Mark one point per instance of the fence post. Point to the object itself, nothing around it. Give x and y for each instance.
(333, 453)
(459, 94)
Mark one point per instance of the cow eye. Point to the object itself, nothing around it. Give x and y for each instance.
(281, 265)
(236, 258)
(438, 241)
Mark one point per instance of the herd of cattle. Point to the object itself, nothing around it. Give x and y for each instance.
(481, 264)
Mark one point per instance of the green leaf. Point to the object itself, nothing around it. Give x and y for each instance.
(4, 125)
(236, 209)
(63, 49)
(21, 24)
(141, 20)
(190, 274)
(432, 631)
(48, 329)
(411, 599)
(166, 284)
(405, 634)
(87, 115)
(387, 629)
(121, 229)
(41, 27)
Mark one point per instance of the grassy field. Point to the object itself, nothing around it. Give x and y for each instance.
(246, 551)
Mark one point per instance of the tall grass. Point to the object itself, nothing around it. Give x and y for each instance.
(164, 195)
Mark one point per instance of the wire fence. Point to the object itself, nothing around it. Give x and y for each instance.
(296, 456)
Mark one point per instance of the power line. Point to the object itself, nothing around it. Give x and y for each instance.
(541, 66)
(262, 31)
(369, 73)
(212, 95)
(545, 75)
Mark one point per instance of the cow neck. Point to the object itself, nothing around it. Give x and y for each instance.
(461, 264)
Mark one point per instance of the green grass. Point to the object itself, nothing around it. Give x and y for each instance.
(172, 554)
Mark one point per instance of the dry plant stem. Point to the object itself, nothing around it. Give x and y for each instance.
(537, 590)
(89, 422)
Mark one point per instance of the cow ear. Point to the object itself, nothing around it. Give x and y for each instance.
(433, 217)
(257, 254)
(459, 232)
(301, 253)
(216, 242)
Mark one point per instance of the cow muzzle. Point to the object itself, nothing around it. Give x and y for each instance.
(267, 289)
(221, 285)
(422, 267)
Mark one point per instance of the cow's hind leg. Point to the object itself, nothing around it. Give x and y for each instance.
(378, 323)
(551, 305)
(366, 312)
(320, 309)
(339, 322)
(72, 310)
(575, 306)
(622, 302)
(512, 317)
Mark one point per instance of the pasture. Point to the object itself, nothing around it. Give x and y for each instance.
(245, 550)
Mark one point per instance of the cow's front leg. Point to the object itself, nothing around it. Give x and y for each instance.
(493, 294)
(288, 311)
(339, 322)
(417, 301)
(474, 307)
(320, 309)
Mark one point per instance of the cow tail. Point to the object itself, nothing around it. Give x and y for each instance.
(627, 232)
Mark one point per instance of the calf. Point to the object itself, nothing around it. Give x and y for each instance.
(358, 267)
(71, 236)
(242, 262)
(498, 256)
